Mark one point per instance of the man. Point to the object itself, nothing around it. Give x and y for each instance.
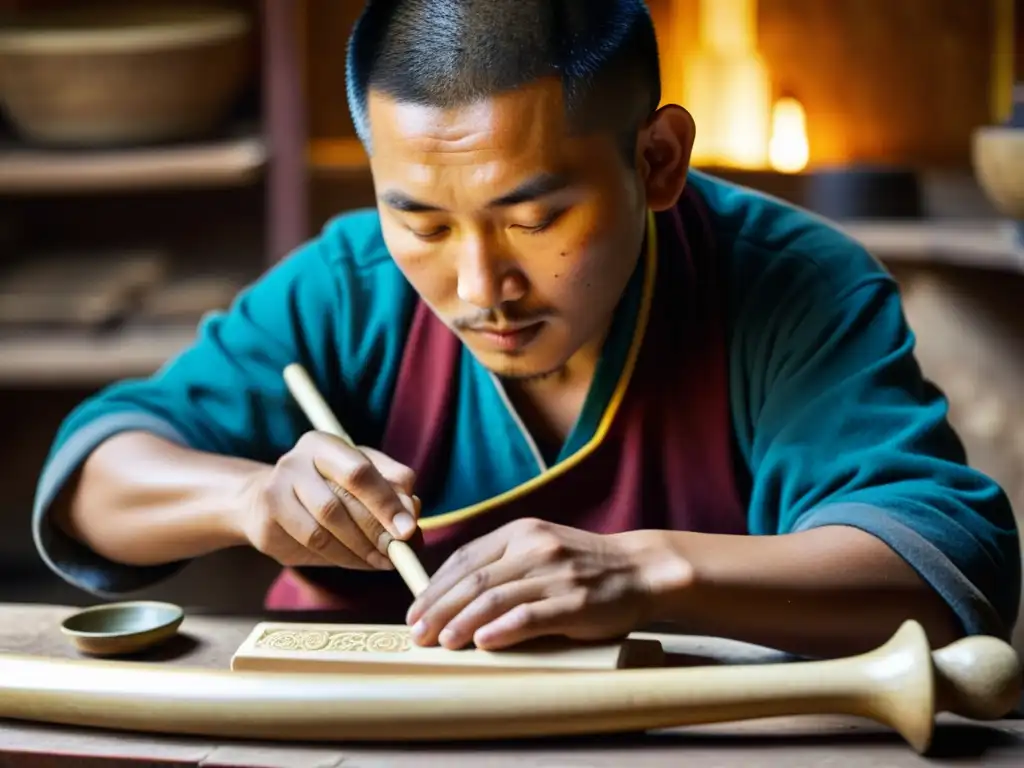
(623, 392)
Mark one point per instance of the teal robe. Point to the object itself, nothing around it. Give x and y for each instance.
(829, 418)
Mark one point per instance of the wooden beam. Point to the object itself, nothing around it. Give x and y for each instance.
(1018, 14)
(1003, 54)
(284, 111)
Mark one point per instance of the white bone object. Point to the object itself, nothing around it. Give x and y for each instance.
(901, 684)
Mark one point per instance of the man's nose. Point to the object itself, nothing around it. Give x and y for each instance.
(488, 278)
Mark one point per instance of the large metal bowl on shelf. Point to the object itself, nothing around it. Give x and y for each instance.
(116, 74)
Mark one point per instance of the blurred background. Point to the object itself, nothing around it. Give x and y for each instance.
(157, 156)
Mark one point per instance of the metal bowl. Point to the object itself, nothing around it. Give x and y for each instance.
(122, 628)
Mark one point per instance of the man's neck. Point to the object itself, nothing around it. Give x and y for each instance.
(550, 405)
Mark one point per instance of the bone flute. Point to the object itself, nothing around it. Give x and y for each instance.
(901, 684)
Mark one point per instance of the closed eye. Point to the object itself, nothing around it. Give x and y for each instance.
(543, 225)
(430, 235)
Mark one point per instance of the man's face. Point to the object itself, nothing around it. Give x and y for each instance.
(520, 236)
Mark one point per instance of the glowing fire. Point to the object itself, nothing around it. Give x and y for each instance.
(728, 90)
(788, 150)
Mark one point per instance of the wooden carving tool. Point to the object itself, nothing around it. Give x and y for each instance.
(902, 685)
(389, 649)
(323, 419)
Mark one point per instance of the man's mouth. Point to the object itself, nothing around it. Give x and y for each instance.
(509, 338)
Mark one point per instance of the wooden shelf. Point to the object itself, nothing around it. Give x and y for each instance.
(968, 243)
(337, 155)
(231, 162)
(80, 359)
(55, 359)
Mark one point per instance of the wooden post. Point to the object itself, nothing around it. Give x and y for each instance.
(1018, 15)
(284, 117)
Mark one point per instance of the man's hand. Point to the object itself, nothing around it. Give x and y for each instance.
(326, 503)
(531, 578)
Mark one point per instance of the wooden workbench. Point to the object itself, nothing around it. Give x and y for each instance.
(208, 641)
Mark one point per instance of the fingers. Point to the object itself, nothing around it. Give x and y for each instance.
(497, 607)
(489, 606)
(291, 553)
(353, 471)
(400, 476)
(337, 526)
(402, 479)
(468, 561)
(527, 621)
(331, 500)
(291, 536)
(489, 590)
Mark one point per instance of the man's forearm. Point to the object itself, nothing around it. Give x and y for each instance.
(825, 592)
(142, 500)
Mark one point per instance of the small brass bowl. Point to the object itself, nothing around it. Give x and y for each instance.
(122, 628)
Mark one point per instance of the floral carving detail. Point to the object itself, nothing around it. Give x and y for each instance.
(377, 641)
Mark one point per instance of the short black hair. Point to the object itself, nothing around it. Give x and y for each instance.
(449, 53)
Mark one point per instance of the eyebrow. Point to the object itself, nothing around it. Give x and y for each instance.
(539, 186)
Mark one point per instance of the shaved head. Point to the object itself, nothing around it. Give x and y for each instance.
(450, 53)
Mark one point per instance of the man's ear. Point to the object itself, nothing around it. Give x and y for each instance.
(665, 146)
